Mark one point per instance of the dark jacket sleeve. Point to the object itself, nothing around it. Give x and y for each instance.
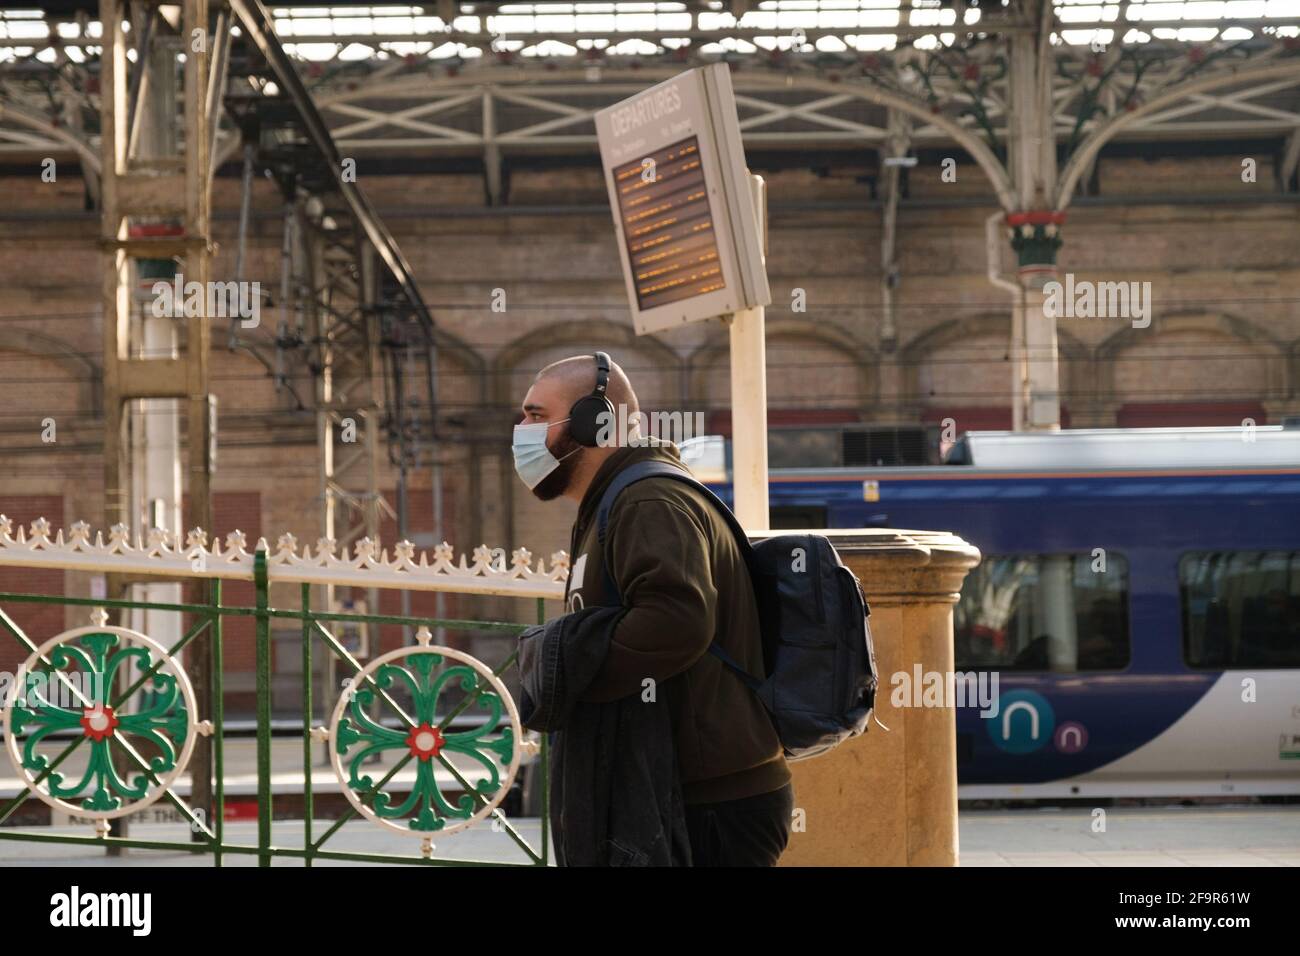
(660, 557)
(557, 661)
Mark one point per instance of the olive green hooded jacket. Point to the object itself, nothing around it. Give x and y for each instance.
(683, 577)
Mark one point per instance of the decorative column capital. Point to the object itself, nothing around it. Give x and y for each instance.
(1035, 235)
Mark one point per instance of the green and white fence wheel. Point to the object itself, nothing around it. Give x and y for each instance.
(156, 722)
(492, 749)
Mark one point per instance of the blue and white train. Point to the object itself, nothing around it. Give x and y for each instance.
(1138, 598)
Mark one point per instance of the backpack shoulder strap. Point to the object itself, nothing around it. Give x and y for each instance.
(662, 469)
(630, 476)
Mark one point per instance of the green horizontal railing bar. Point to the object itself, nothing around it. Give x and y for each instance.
(455, 624)
(351, 857)
(450, 623)
(28, 837)
(201, 848)
(110, 602)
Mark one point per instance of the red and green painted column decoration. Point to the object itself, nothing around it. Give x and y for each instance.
(1035, 236)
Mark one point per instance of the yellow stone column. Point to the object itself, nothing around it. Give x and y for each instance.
(889, 798)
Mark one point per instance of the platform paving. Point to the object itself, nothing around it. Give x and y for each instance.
(1166, 836)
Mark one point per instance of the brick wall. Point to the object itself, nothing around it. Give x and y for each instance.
(1225, 279)
(423, 603)
(38, 621)
(237, 511)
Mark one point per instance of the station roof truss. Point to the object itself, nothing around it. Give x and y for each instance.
(498, 80)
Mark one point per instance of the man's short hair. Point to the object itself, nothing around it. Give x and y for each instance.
(578, 375)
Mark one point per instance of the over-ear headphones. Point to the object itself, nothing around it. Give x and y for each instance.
(585, 415)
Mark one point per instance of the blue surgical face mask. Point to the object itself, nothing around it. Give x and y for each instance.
(533, 460)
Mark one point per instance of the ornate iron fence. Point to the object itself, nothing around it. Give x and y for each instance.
(102, 720)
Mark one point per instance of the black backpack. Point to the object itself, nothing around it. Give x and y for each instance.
(817, 646)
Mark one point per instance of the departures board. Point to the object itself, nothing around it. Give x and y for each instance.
(668, 230)
(683, 210)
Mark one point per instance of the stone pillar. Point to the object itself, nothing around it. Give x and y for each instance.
(1035, 349)
(889, 798)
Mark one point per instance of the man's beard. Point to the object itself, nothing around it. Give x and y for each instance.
(558, 481)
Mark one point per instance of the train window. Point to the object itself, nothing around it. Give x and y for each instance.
(1240, 608)
(1044, 612)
